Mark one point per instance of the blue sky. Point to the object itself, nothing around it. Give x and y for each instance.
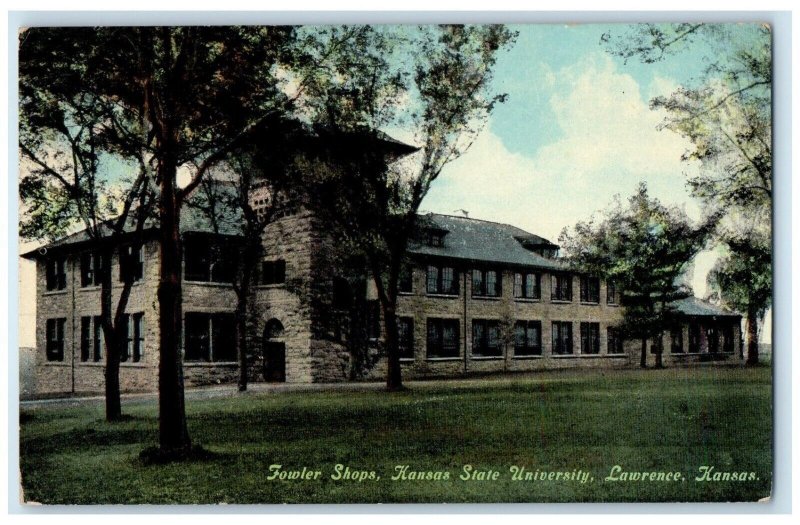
(576, 130)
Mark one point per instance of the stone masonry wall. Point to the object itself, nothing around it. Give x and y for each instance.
(464, 307)
(72, 374)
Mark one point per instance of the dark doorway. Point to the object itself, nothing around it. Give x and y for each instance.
(713, 339)
(274, 352)
(275, 362)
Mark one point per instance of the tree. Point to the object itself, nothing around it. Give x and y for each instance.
(61, 142)
(201, 91)
(644, 249)
(259, 168)
(429, 83)
(727, 117)
(743, 279)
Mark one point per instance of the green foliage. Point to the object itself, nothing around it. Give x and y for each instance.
(644, 248)
(743, 278)
(726, 114)
(727, 117)
(48, 212)
(431, 83)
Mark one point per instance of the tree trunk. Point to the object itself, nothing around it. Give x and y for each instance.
(752, 336)
(113, 401)
(643, 361)
(388, 301)
(241, 318)
(173, 436)
(659, 342)
(241, 336)
(112, 388)
(394, 379)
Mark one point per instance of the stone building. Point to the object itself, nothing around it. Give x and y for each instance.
(476, 297)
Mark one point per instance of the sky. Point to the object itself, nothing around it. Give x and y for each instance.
(575, 130)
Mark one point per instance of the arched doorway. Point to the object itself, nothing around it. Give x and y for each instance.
(274, 349)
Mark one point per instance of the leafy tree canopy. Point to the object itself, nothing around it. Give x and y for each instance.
(644, 247)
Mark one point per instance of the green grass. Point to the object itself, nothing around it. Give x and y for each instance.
(668, 420)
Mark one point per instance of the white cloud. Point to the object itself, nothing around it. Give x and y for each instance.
(609, 143)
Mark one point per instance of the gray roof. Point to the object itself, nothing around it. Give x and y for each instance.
(478, 240)
(193, 219)
(695, 306)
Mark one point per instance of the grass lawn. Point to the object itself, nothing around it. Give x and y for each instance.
(560, 422)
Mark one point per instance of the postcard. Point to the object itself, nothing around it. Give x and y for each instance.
(266, 264)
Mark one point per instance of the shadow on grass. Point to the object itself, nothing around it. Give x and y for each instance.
(196, 453)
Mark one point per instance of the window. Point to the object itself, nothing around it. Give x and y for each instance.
(92, 269)
(405, 337)
(590, 338)
(727, 345)
(86, 338)
(694, 338)
(56, 278)
(443, 338)
(91, 338)
(528, 338)
(562, 337)
(434, 238)
(486, 283)
(590, 289)
(486, 338)
(133, 327)
(406, 284)
(562, 287)
(273, 272)
(55, 339)
(527, 286)
(209, 260)
(98, 338)
(210, 337)
(442, 280)
(615, 341)
(611, 293)
(373, 319)
(676, 340)
(342, 294)
(131, 263)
